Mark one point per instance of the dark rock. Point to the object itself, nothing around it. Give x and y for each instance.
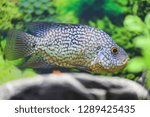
(72, 86)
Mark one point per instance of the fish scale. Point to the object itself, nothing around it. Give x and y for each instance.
(66, 45)
(66, 48)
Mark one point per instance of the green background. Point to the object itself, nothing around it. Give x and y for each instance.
(127, 21)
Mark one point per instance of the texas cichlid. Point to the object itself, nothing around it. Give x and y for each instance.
(66, 45)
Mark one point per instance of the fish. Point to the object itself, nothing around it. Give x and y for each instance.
(65, 45)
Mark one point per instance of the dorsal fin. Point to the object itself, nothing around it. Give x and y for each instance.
(40, 29)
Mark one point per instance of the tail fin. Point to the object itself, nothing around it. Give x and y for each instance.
(19, 44)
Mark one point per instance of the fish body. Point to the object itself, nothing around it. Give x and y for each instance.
(66, 45)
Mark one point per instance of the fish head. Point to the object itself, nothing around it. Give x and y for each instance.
(110, 58)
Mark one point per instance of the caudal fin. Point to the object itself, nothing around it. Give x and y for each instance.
(19, 44)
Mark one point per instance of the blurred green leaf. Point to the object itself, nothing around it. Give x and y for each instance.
(134, 23)
(3, 43)
(8, 12)
(140, 41)
(91, 23)
(37, 4)
(28, 18)
(37, 11)
(136, 64)
(100, 24)
(146, 55)
(130, 76)
(28, 73)
(122, 2)
(74, 70)
(135, 8)
(147, 20)
(148, 79)
(112, 7)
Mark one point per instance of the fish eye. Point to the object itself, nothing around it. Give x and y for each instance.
(114, 50)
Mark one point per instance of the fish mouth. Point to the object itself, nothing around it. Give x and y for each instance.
(125, 61)
(119, 66)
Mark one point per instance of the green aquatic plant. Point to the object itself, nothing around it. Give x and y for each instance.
(8, 12)
(81, 11)
(9, 71)
(67, 10)
(141, 28)
(139, 7)
(115, 7)
(33, 10)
